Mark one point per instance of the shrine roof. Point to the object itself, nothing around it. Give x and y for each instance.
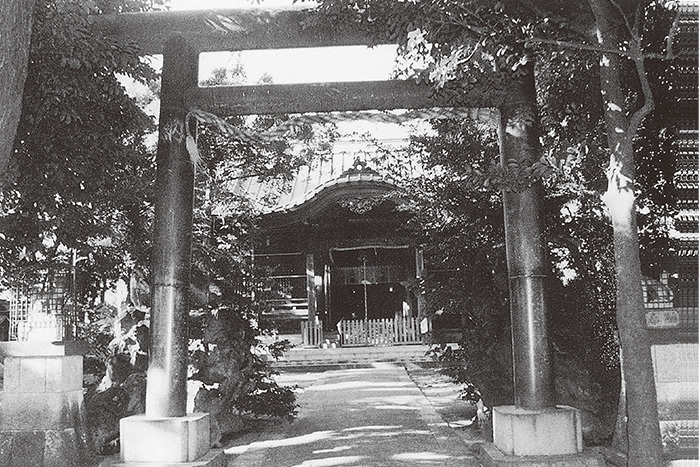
(315, 187)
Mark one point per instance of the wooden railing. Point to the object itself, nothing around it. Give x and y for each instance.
(311, 334)
(378, 332)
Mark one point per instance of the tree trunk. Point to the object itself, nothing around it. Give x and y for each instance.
(641, 412)
(15, 35)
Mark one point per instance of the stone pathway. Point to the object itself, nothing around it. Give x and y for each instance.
(374, 416)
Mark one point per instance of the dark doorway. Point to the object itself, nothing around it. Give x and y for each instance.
(382, 301)
(366, 282)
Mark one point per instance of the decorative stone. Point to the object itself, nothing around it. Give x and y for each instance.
(544, 432)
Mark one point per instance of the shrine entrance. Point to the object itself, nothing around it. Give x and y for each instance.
(367, 283)
(181, 37)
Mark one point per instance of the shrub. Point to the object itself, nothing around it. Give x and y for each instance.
(229, 359)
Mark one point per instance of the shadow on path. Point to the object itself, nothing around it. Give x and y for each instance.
(372, 416)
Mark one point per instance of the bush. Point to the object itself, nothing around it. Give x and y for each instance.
(226, 357)
(233, 367)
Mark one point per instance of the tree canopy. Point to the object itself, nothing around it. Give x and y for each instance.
(80, 174)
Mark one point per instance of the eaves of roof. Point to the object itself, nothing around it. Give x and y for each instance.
(348, 185)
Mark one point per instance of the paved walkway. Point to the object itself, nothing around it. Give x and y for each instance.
(370, 417)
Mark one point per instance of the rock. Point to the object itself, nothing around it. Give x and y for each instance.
(223, 421)
(135, 386)
(575, 388)
(104, 410)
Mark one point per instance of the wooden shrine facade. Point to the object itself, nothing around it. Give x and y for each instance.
(341, 255)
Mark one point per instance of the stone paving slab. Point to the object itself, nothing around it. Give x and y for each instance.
(374, 417)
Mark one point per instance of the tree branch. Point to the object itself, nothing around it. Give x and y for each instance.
(672, 34)
(630, 28)
(639, 114)
(576, 46)
(597, 48)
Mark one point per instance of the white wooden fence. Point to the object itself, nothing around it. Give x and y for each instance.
(313, 334)
(378, 332)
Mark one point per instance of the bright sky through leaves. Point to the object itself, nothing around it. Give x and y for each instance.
(310, 65)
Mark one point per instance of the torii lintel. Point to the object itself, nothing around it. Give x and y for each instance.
(227, 30)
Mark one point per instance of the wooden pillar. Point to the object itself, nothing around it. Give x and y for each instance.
(420, 299)
(526, 253)
(311, 287)
(166, 394)
(318, 287)
(327, 293)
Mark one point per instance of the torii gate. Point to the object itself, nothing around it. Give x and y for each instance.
(534, 425)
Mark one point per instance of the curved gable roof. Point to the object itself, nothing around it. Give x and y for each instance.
(357, 182)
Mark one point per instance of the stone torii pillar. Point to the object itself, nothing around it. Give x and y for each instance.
(166, 433)
(534, 425)
(526, 253)
(166, 394)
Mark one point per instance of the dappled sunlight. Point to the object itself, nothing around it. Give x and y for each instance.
(399, 433)
(387, 389)
(376, 431)
(370, 418)
(373, 427)
(356, 385)
(396, 407)
(398, 400)
(420, 456)
(330, 461)
(353, 433)
(364, 436)
(349, 437)
(274, 443)
(286, 377)
(461, 423)
(335, 449)
(393, 402)
(387, 434)
(296, 377)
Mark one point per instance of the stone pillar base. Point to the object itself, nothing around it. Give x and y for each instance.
(214, 458)
(490, 456)
(164, 440)
(547, 432)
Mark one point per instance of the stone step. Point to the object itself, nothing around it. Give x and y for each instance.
(299, 356)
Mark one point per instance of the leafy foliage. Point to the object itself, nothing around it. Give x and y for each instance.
(466, 286)
(239, 379)
(80, 173)
(461, 226)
